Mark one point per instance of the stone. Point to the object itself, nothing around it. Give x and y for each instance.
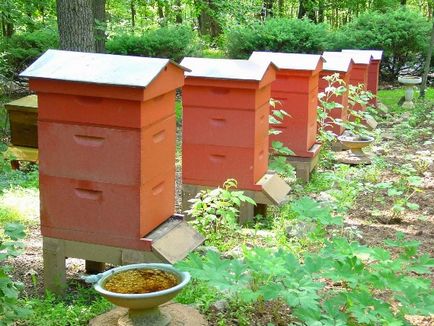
(234, 253)
(204, 249)
(181, 315)
(371, 123)
(347, 158)
(300, 229)
(220, 305)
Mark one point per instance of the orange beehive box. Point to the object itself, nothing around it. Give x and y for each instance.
(106, 145)
(225, 121)
(359, 73)
(296, 88)
(373, 71)
(341, 64)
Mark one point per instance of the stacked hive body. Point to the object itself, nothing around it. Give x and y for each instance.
(23, 115)
(342, 65)
(107, 145)
(373, 71)
(296, 88)
(225, 122)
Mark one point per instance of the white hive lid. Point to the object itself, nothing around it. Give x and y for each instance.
(289, 61)
(97, 68)
(224, 69)
(336, 61)
(376, 54)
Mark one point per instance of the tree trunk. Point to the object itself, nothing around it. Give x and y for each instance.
(98, 9)
(280, 5)
(320, 11)
(133, 13)
(427, 64)
(160, 9)
(306, 9)
(178, 17)
(7, 26)
(208, 24)
(268, 8)
(75, 23)
(301, 9)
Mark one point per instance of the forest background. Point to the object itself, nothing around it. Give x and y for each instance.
(216, 28)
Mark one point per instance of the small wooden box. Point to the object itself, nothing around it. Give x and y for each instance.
(23, 116)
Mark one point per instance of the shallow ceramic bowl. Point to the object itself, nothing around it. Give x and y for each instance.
(355, 144)
(145, 300)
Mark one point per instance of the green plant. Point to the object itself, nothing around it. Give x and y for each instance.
(357, 109)
(77, 307)
(10, 247)
(402, 34)
(174, 42)
(361, 281)
(22, 49)
(215, 212)
(279, 35)
(326, 104)
(279, 152)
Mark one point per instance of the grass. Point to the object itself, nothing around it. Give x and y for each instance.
(178, 112)
(390, 98)
(19, 205)
(77, 307)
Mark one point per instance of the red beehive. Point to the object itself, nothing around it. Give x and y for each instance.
(225, 121)
(373, 72)
(106, 145)
(341, 64)
(296, 88)
(359, 73)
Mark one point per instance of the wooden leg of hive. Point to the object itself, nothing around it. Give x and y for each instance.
(246, 213)
(260, 209)
(54, 265)
(94, 267)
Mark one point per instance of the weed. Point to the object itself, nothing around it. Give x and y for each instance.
(11, 246)
(75, 308)
(215, 212)
(360, 277)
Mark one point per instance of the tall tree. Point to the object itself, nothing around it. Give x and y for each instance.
(427, 63)
(76, 25)
(208, 22)
(98, 12)
(268, 8)
(178, 9)
(307, 8)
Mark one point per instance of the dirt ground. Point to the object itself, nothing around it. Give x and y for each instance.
(417, 225)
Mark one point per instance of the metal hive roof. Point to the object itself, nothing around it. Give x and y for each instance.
(224, 69)
(290, 61)
(97, 68)
(336, 61)
(358, 58)
(376, 54)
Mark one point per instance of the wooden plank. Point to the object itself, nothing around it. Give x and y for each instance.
(22, 153)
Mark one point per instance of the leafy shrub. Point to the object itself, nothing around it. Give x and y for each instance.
(10, 247)
(174, 42)
(365, 279)
(402, 34)
(20, 50)
(215, 212)
(279, 35)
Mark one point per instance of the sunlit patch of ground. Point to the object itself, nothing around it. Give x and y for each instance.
(19, 205)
